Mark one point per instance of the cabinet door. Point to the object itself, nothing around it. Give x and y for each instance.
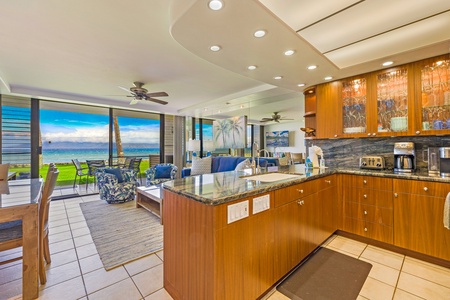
(433, 96)
(327, 120)
(296, 227)
(329, 212)
(418, 225)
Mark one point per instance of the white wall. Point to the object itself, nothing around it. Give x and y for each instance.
(296, 136)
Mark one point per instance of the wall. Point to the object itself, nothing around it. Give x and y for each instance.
(296, 137)
(346, 152)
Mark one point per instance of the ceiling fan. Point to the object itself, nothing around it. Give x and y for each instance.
(138, 92)
(275, 117)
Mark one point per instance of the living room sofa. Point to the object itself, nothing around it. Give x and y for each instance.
(229, 163)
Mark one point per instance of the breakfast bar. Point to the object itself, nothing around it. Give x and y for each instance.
(234, 235)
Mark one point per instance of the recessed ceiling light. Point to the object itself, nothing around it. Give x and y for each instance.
(259, 33)
(251, 68)
(205, 109)
(387, 63)
(301, 84)
(328, 78)
(242, 106)
(215, 4)
(289, 52)
(215, 48)
(312, 67)
(277, 77)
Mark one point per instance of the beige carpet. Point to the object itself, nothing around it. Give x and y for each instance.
(122, 232)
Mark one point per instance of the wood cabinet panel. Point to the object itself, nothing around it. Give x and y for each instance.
(292, 193)
(370, 230)
(327, 96)
(326, 182)
(370, 182)
(425, 188)
(368, 196)
(371, 213)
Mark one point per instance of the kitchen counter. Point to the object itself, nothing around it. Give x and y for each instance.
(219, 188)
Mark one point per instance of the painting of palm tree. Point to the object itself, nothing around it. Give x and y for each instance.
(230, 133)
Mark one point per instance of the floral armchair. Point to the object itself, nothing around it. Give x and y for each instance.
(160, 173)
(116, 185)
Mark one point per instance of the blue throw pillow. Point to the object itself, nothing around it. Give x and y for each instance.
(116, 172)
(163, 171)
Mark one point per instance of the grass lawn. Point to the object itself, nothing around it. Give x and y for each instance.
(67, 172)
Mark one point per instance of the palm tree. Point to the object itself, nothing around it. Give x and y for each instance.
(221, 129)
(235, 127)
(119, 147)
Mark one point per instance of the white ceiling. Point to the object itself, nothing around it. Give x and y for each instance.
(84, 50)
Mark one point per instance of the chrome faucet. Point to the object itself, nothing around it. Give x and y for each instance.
(265, 152)
(255, 164)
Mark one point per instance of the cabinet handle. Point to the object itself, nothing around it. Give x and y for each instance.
(374, 134)
(395, 195)
(365, 228)
(417, 132)
(425, 189)
(328, 181)
(300, 191)
(335, 135)
(301, 202)
(364, 181)
(365, 196)
(368, 134)
(365, 212)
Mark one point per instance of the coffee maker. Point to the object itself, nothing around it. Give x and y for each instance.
(404, 157)
(444, 161)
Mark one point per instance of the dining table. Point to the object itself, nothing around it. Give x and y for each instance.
(19, 200)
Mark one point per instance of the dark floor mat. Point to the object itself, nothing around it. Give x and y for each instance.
(326, 275)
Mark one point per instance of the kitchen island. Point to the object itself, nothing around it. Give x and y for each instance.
(227, 236)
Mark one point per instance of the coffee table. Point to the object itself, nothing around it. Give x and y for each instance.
(150, 198)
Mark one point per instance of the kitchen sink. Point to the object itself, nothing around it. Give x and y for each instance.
(272, 177)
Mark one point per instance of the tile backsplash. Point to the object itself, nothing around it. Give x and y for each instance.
(346, 152)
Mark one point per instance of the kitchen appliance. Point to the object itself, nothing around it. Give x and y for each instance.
(433, 160)
(444, 161)
(372, 162)
(404, 157)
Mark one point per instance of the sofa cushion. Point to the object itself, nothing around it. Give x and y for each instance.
(227, 163)
(241, 166)
(116, 172)
(162, 171)
(201, 166)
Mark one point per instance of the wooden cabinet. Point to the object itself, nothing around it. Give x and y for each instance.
(418, 217)
(310, 109)
(303, 222)
(368, 207)
(407, 100)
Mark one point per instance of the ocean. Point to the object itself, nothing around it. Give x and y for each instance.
(83, 154)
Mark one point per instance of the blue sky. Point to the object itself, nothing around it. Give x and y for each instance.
(61, 126)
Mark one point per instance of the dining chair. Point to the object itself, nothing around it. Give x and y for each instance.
(79, 172)
(4, 188)
(11, 232)
(93, 165)
(137, 167)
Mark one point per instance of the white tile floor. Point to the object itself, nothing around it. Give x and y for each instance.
(76, 271)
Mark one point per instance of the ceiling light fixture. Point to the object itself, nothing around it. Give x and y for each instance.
(328, 78)
(289, 52)
(300, 84)
(242, 106)
(251, 68)
(312, 67)
(215, 4)
(387, 63)
(277, 77)
(259, 33)
(215, 48)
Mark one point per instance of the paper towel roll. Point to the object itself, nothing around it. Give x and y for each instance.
(313, 157)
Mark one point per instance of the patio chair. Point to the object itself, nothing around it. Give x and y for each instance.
(116, 185)
(93, 165)
(137, 167)
(79, 172)
(161, 172)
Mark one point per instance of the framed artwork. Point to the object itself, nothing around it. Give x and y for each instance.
(230, 133)
(277, 138)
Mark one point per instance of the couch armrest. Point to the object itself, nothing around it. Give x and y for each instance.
(185, 172)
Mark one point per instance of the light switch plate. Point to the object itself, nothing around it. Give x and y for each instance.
(237, 211)
(261, 203)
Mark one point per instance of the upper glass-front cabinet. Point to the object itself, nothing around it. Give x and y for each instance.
(354, 106)
(392, 101)
(435, 94)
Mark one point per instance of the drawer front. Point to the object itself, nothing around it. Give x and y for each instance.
(369, 182)
(426, 188)
(370, 213)
(368, 196)
(292, 193)
(370, 230)
(326, 182)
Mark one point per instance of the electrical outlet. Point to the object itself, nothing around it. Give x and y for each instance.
(237, 211)
(261, 203)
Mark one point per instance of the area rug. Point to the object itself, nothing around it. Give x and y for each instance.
(326, 275)
(122, 232)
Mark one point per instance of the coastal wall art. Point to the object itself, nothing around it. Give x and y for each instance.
(230, 133)
(277, 138)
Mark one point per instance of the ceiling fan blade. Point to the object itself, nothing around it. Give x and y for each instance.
(125, 89)
(266, 120)
(285, 119)
(157, 101)
(134, 101)
(157, 94)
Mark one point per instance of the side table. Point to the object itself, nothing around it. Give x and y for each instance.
(150, 198)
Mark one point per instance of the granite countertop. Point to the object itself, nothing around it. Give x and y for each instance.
(218, 188)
